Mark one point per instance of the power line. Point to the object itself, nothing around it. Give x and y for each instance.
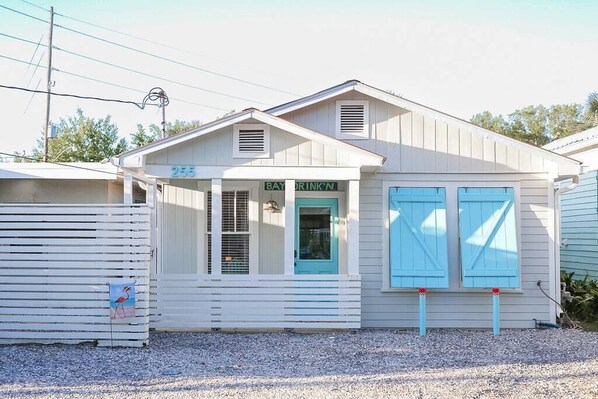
(173, 61)
(155, 55)
(115, 84)
(135, 71)
(33, 55)
(139, 105)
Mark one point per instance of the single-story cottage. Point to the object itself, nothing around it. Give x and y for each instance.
(331, 211)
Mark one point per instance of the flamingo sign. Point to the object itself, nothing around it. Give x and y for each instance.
(122, 300)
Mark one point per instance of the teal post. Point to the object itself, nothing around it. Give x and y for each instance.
(422, 312)
(496, 311)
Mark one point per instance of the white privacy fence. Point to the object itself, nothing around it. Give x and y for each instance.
(56, 262)
(190, 301)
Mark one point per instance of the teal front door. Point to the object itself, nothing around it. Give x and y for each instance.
(316, 236)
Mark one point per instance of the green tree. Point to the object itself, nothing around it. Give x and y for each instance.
(537, 124)
(592, 109)
(143, 137)
(82, 139)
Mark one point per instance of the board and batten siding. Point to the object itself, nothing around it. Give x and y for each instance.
(579, 227)
(462, 307)
(412, 142)
(178, 209)
(216, 149)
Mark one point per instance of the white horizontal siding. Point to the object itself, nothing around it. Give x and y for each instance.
(456, 309)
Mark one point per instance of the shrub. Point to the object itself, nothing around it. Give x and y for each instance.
(584, 292)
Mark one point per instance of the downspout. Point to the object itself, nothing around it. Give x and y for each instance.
(558, 192)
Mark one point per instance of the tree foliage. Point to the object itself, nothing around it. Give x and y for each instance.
(539, 125)
(82, 139)
(146, 136)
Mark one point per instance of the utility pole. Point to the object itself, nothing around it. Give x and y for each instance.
(49, 86)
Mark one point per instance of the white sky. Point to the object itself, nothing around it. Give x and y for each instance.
(461, 57)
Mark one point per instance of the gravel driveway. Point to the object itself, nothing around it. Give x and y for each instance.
(369, 363)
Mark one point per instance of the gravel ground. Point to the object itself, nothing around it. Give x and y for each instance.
(366, 364)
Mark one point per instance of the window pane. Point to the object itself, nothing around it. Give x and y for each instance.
(242, 219)
(228, 211)
(235, 254)
(314, 233)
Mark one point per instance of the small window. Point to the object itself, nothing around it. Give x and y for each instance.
(251, 141)
(235, 232)
(352, 119)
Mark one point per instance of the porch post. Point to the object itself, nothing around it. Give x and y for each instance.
(216, 226)
(353, 227)
(151, 200)
(289, 227)
(127, 188)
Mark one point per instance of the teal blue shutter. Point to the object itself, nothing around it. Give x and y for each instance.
(488, 238)
(418, 241)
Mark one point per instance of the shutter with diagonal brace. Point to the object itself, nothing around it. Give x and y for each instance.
(418, 239)
(488, 238)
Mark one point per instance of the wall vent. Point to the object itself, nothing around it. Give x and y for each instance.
(352, 119)
(251, 141)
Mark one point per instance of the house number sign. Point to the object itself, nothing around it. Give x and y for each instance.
(182, 171)
(303, 186)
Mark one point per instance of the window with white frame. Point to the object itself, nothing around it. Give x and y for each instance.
(236, 233)
(352, 119)
(251, 141)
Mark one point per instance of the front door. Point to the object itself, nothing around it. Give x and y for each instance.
(316, 236)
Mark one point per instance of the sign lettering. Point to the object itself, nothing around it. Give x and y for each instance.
(303, 186)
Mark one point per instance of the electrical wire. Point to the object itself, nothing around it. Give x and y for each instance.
(56, 163)
(33, 55)
(570, 322)
(136, 71)
(53, 93)
(115, 84)
(147, 53)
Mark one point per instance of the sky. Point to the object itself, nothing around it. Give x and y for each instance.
(461, 56)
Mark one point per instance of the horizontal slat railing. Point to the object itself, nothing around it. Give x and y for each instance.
(254, 302)
(56, 263)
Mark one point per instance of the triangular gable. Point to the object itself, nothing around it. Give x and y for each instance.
(134, 157)
(568, 166)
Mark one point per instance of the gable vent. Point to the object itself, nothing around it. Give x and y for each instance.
(251, 141)
(352, 119)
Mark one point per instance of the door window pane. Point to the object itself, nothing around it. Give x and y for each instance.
(314, 233)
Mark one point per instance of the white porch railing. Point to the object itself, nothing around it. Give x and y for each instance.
(55, 265)
(201, 302)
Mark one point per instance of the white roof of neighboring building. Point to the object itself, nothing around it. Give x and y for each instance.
(66, 171)
(574, 143)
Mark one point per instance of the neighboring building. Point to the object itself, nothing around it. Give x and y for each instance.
(338, 206)
(579, 207)
(63, 183)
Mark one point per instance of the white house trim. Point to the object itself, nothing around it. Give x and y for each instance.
(567, 166)
(261, 172)
(133, 158)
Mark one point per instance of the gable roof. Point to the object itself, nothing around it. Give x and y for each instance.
(413, 106)
(369, 158)
(575, 142)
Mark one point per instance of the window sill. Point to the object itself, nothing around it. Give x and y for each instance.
(503, 291)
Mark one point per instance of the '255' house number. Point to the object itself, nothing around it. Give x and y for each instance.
(182, 171)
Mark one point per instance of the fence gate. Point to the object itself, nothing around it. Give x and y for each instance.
(56, 264)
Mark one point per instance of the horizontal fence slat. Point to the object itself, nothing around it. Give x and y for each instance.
(56, 263)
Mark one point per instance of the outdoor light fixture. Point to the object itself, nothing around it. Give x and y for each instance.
(272, 207)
